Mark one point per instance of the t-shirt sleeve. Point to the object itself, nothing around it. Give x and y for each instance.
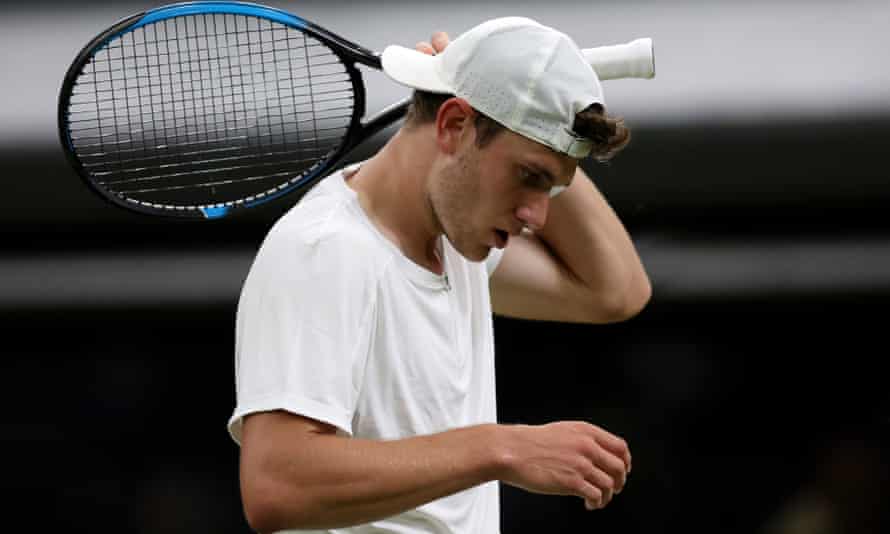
(302, 330)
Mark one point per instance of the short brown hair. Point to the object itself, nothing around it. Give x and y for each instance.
(609, 134)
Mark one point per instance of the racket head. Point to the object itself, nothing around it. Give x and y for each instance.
(152, 119)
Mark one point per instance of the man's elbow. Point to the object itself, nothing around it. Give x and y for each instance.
(261, 513)
(638, 298)
(625, 304)
(265, 512)
(634, 299)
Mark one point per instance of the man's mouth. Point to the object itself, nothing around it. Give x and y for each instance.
(501, 238)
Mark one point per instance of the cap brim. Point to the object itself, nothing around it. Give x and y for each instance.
(414, 69)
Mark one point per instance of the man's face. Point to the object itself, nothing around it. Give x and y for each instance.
(486, 195)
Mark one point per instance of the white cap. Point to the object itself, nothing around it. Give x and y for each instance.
(530, 78)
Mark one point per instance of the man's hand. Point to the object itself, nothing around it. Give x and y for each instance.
(437, 43)
(567, 458)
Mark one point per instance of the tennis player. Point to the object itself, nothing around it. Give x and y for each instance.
(365, 351)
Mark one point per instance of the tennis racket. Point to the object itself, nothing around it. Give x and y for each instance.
(204, 109)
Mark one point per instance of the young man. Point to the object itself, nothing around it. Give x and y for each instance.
(365, 353)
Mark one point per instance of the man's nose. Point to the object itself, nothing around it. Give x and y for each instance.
(533, 210)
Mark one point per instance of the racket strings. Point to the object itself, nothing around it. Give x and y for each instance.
(208, 109)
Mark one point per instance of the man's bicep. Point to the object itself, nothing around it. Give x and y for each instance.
(273, 443)
(269, 438)
(278, 427)
(531, 283)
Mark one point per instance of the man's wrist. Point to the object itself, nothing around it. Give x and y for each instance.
(500, 452)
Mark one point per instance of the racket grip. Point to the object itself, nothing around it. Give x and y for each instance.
(635, 59)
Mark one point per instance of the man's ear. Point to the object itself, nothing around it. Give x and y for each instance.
(454, 120)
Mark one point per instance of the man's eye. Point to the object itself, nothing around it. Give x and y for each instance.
(534, 180)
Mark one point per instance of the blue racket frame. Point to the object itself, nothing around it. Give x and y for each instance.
(350, 54)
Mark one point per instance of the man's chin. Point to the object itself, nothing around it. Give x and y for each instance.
(476, 254)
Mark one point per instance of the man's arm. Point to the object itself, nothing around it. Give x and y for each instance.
(296, 473)
(580, 267)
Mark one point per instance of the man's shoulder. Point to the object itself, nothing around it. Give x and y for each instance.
(327, 225)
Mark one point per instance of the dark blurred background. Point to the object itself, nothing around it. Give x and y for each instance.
(751, 389)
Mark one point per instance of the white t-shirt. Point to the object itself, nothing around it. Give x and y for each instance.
(336, 324)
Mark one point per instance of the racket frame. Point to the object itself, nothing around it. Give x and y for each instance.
(350, 54)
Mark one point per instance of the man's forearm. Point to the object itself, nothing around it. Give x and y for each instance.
(297, 474)
(588, 237)
(334, 482)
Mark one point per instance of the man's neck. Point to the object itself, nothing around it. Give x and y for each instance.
(392, 190)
